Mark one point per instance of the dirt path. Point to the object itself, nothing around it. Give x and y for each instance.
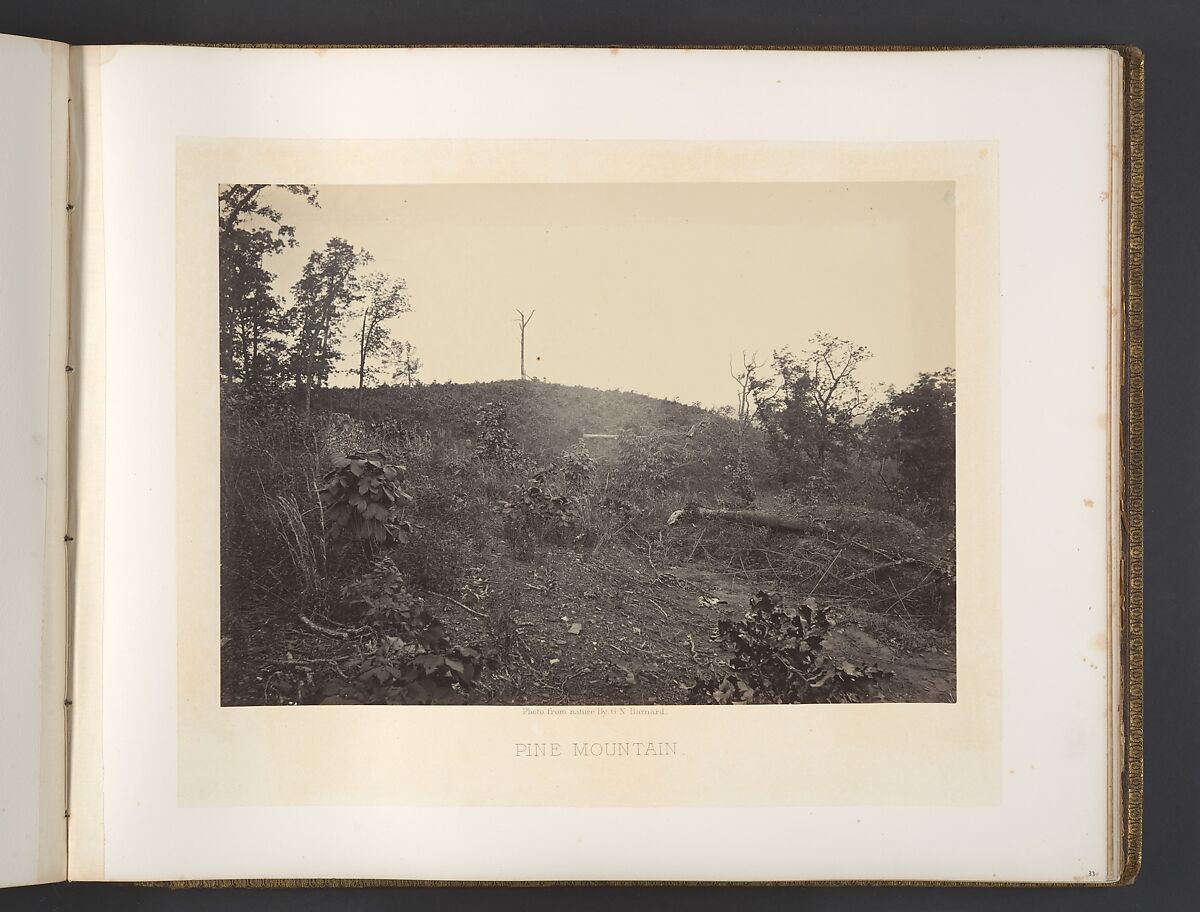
(618, 630)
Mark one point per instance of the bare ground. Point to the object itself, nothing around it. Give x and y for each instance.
(607, 628)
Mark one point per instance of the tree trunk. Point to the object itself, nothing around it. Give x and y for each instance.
(362, 364)
(801, 526)
(362, 351)
(523, 321)
(360, 399)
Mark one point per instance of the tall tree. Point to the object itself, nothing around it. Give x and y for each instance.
(240, 200)
(254, 339)
(914, 428)
(326, 292)
(251, 316)
(815, 399)
(407, 364)
(385, 298)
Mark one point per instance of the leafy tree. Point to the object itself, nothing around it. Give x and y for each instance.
(328, 288)
(915, 428)
(240, 200)
(253, 322)
(813, 402)
(385, 298)
(407, 364)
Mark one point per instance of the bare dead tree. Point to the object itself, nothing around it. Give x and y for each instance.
(523, 321)
(748, 382)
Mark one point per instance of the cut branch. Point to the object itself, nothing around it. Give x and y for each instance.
(321, 628)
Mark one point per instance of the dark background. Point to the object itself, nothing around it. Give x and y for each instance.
(1167, 32)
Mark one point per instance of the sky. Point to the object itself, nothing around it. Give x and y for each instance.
(648, 287)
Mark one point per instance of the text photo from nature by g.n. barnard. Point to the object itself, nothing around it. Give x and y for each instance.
(567, 444)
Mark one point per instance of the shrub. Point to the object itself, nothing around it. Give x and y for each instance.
(408, 658)
(778, 658)
(575, 465)
(492, 440)
(362, 497)
(536, 509)
(648, 461)
(436, 558)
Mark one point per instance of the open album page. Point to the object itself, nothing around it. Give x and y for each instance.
(695, 462)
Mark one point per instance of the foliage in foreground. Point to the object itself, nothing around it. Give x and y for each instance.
(362, 497)
(536, 509)
(408, 658)
(778, 657)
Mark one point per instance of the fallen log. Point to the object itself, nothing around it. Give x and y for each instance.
(803, 526)
(750, 518)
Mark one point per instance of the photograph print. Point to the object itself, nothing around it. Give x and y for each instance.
(587, 444)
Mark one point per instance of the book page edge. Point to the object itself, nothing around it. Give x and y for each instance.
(86, 830)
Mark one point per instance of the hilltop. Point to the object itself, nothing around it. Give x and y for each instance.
(543, 418)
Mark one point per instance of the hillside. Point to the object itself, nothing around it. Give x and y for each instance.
(544, 418)
(455, 544)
